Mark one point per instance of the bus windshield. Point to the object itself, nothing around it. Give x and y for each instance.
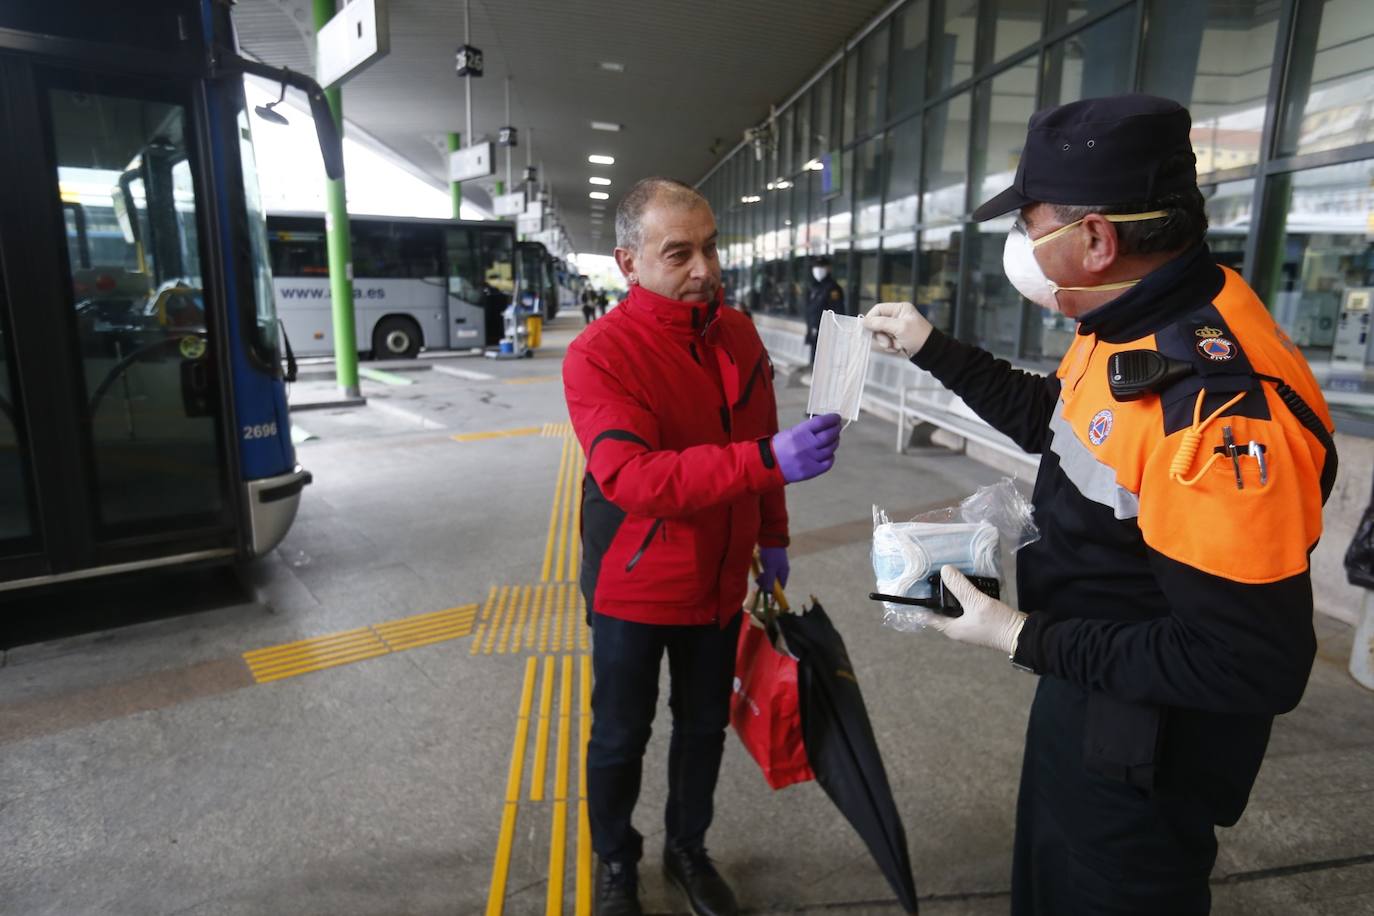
(129, 205)
(264, 318)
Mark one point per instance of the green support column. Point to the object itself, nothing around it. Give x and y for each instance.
(340, 251)
(455, 143)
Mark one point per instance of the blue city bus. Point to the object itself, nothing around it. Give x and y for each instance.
(143, 416)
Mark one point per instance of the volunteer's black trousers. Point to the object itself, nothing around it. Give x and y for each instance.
(1094, 846)
(626, 658)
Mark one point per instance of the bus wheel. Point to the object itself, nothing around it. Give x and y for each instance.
(396, 338)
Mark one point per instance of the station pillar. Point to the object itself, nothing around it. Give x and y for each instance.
(455, 143)
(340, 250)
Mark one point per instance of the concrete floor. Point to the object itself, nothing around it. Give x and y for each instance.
(144, 770)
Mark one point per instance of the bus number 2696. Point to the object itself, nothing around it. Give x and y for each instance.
(260, 431)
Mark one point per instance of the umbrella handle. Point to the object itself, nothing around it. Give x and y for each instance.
(778, 596)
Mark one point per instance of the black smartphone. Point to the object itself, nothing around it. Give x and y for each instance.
(942, 600)
(988, 585)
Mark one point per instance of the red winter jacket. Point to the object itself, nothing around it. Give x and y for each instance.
(673, 405)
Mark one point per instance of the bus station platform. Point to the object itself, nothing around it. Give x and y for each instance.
(386, 715)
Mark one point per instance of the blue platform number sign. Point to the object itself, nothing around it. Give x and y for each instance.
(831, 179)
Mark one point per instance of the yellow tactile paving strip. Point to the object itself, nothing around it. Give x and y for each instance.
(542, 620)
(532, 618)
(560, 670)
(275, 663)
(499, 434)
(547, 431)
(531, 379)
(562, 549)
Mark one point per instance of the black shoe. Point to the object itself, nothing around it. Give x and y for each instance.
(691, 870)
(617, 890)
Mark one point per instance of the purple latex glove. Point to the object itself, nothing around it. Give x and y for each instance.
(808, 449)
(774, 566)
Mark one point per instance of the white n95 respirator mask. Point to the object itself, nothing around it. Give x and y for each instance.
(1023, 270)
(837, 378)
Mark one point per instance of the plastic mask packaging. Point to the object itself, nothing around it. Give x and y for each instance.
(905, 554)
(837, 378)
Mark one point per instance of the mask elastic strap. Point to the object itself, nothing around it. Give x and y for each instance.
(1109, 217)
(1105, 287)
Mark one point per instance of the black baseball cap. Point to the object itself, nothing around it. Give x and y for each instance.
(1100, 151)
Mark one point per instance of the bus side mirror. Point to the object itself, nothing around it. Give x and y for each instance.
(289, 374)
(331, 147)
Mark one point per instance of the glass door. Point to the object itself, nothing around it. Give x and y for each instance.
(151, 417)
(113, 445)
(17, 530)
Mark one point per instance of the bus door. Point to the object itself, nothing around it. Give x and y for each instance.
(113, 445)
(481, 283)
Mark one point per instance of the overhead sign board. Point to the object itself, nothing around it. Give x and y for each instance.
(508, 204)
(526, 225)
(534, 208)
(476, 161)
(357, 36)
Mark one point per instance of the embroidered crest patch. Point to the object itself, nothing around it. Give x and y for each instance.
(1217, 349)
(1100, 427)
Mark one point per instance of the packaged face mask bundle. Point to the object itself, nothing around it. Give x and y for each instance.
(968, 537)
(906, 554)
(837, 378)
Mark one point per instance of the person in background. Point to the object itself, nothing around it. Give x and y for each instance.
(825, 293)
(671, 398)
(1186, 452)
(588, 305)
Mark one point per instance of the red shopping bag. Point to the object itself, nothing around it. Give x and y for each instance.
(764, 708)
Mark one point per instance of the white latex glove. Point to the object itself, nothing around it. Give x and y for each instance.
(986, 621)
(898, 327)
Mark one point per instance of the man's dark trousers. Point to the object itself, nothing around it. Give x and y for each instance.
(626, 658)
(1087, 845)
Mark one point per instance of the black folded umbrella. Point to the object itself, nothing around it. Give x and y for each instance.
(841, 747)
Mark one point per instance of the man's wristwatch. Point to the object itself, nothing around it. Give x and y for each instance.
(1016, 645)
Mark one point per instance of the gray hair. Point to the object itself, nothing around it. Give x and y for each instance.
(630, 213)
(1184, 225)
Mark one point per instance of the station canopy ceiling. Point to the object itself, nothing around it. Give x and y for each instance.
(694, 76)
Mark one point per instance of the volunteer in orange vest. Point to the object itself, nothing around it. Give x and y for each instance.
(1186, 453)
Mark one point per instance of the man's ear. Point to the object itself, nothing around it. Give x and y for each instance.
(1101, 248)
(625, 260)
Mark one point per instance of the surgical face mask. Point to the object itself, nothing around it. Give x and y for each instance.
(905, 554)
(820, 273)
(1023, 270)
(837, 378)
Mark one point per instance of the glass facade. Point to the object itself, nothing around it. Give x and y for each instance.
(880, 159)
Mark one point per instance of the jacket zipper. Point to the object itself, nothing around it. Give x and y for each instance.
(648, 539)
(749, 385)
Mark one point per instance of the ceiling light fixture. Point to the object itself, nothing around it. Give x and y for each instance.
(597, 179)
(813, 165)
(599, 195)
(597, 159)
(606, 125)
(612, 66)
(750, 199)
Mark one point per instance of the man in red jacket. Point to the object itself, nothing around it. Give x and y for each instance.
(671, 397)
